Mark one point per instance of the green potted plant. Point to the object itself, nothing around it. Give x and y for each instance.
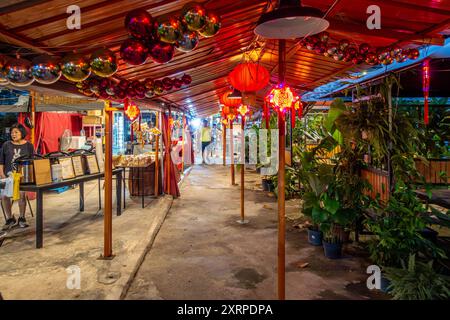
(417, 281)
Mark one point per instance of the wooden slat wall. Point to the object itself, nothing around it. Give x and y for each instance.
(432, 171)
(379, 180)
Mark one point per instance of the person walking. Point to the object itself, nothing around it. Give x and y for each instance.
(11, 150)
(206, 138)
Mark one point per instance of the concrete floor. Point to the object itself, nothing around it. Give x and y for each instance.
(74, 238)
(202, 253)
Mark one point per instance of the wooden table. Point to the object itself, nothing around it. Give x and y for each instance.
(80, 181)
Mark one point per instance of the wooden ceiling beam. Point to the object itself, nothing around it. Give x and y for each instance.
(24, 4)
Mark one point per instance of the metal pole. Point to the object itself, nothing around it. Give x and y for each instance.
(33, 117)
(281, 182)
(169, 146)
(242, 221)
(224, 145)
(156, 157)
(232, 154)
(107, 250)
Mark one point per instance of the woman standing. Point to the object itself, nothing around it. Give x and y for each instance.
(11, 150)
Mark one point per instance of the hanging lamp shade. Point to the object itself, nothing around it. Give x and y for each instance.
(249, 76)
(225, 100)
(291, 20)
(236, 94)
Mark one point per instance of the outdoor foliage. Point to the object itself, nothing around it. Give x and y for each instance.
(418, 281)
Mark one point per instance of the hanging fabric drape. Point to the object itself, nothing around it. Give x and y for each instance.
(173, 189)
(49, 127)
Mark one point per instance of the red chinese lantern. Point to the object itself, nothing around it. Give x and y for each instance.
(131, 111)
(230, 102)
(249, 76)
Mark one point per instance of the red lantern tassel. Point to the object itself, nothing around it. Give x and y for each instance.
(292, 117)
(300, 110)
(266, 114)
(425, 111)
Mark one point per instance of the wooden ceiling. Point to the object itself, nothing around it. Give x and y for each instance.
(41, 26)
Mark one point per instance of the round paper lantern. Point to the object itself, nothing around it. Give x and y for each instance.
(139, 24)
(230, 102)
(161, 52)
(195, 17)
(104, 63)
(188, 41)
(169, 31)
(18, 72)
(46, 69)
(249, 76)
(134, 52)
(212, 25)
(75, 67)
(187, 79)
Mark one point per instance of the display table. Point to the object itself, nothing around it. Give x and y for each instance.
(80, 181)
(141, 181)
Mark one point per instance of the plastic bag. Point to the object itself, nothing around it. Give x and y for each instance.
(9, 187)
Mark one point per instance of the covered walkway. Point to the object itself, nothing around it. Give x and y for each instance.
(202, 253)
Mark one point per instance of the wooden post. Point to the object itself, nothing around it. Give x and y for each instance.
(242, 221)
(232, 154)
(33, 118)
(183, 140)
(107, 250)
(281, 182)
(157, 157)
(169, 145)
(224, 145)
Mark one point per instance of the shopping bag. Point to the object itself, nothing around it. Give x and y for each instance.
(16, 186)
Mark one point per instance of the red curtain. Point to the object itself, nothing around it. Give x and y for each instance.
(49, 127)
(174, 190)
